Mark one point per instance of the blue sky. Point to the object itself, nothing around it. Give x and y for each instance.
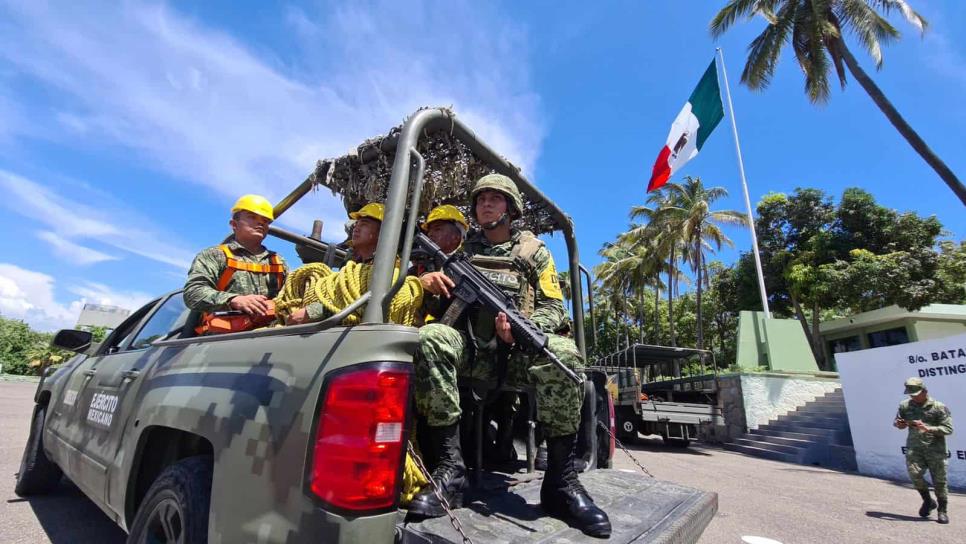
(126, 131)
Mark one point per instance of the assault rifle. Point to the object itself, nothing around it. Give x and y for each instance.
(472, 287)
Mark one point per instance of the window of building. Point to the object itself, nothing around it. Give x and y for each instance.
(889, 337)
(840, 345)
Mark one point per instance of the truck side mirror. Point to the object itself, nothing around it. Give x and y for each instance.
(72, 340)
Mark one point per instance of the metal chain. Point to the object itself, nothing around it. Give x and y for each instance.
(621, 446)
(454, 521)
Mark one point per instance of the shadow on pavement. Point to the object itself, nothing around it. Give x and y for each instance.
(655, 444)
(69, 517)
(894, 517)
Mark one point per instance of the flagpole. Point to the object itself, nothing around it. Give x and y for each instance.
(744, 186)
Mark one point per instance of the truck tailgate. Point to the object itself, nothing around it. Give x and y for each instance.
(641, 509)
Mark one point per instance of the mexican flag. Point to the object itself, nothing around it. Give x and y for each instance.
(690, 129)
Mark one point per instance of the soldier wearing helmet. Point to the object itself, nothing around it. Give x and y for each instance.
(363, 238)
(240, 274)
(519, 263)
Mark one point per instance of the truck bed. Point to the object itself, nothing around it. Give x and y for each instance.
(641, 509)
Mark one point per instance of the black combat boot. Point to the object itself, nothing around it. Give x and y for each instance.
(449, 474)
(942, 516)
(928, 505)
(562, 495)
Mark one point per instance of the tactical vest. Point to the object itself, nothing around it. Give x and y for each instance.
(230, 321)
(513, 273)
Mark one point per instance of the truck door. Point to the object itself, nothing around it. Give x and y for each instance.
(69, 420)
(112, 376)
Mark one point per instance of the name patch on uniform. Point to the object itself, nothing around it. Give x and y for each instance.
(503, 279)
(550, 282)
(101, 410)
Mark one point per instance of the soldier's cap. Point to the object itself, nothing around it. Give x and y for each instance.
(914, 386)
(374, 210)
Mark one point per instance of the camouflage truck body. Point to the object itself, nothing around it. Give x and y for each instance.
(116, 417)
(276, 433)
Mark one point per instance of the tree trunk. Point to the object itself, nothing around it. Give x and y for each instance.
(670, 298)
(823, 364)
(700, 330)
(640, 298)
(657, 313)
(901, 125)
(814, 342)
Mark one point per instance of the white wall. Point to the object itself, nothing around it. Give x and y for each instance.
(767, 397)
(872, 382)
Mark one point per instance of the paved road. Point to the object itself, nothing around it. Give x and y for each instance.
(790, 504)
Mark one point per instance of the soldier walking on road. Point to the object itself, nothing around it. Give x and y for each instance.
(928, 421)
(522, 267)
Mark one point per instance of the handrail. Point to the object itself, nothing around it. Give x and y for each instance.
(590, 298)
(410, 228)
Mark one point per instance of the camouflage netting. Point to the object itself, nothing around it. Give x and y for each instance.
(451, 170)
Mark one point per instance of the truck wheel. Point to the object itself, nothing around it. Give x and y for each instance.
(38, 474)
(676, 442)
(175, 508)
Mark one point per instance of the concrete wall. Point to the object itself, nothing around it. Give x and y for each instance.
(777, 344)
(929, 330)
(767, 396)
(732, 409)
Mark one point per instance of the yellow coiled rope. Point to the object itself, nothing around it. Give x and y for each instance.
(316, 282)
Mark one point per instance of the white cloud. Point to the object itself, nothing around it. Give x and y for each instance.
(69, 221)
(73, 252)
(203, 107)
(29, 296)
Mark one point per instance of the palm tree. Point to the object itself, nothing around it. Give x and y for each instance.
(814, 28)
(664, 238)
(689, 211)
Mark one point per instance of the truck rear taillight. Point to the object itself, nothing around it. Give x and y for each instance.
(360, 439)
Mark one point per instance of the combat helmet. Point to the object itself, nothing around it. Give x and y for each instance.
(504, 185)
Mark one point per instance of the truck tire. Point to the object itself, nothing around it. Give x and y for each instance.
(38, 474)
(676, 442)
(175, 508)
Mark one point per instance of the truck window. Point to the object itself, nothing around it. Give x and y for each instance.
(169, 319)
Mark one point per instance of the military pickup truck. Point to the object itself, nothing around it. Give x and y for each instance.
(299, 434)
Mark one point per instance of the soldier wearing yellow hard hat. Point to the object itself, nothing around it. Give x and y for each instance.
(366, 223)
(365, 231)
(240, 275)
(446, 225)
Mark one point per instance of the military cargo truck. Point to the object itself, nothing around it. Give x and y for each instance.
(662, 390)
(299, 434)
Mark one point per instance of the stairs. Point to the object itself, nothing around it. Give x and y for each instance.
(816, 433)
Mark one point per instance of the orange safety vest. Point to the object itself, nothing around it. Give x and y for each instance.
(222, 322)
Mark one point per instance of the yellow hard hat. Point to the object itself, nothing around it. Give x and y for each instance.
(374, 210)
(445, 213)
(256, 204)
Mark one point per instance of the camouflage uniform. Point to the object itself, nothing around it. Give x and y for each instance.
(200, 291)
(927, 450)
(443, 355)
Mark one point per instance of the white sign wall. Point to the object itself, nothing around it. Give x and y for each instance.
(872, 382)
